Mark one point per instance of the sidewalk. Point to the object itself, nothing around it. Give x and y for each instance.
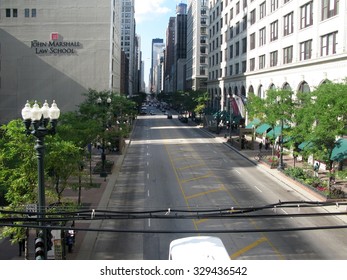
(288, 160)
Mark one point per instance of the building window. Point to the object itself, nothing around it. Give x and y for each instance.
(231, 32)
(237, 48)
(328, 44)
(273, 58)
(238, 7)
(253, 17)
(15, 12)
(244, 23)
(274, 31)
(33, 12)
(252, 41)
(244, 66)
(262, 61)
(231, 51)
(306, 50)
(288, 27)
(237, 27)
(8, 13)
(330, 8)
(230, 70)
(237, 68)
(244, 45)
(262, 10)
(288, 55)
(26, 13)
(274, 5)
(306, 15)
(262, 36)
(252, 64)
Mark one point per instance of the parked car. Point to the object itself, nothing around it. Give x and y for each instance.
(169, 116)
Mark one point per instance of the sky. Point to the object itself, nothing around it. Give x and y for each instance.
(152, 18)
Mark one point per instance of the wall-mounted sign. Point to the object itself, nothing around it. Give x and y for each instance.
(55, 47)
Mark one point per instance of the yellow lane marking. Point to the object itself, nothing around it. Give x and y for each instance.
(192, 166)
(208, 175)
(204, 193)
(200, 221)
(249, 247)
(180, 184)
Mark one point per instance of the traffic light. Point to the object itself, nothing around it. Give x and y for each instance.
(39, 247)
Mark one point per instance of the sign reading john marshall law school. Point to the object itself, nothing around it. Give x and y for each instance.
(55, 47)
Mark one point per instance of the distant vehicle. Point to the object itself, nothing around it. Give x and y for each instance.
(169, 116)
(183, 119)
(152, 112)
(198, 248)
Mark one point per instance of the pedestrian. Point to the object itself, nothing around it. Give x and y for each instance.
(316, 169)
(260, 146)
(243, 142)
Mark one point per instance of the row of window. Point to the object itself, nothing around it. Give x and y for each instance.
(328, 45)
(329, 9)
(27, 13)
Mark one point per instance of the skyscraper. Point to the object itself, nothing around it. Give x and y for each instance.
(157, 50)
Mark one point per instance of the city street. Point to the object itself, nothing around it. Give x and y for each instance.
(171, 165)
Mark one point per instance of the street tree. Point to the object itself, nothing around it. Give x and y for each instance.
(322, 118)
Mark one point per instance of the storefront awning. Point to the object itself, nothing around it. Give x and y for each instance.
(339, 153)
(255, 122)
(262, 128)
(274, 133)
(304, 145)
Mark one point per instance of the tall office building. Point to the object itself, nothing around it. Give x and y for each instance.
(57, 50)
(128, 41)
(169, 55)
(157, 50)
(197, 45)
(180, 46)
(258, 45)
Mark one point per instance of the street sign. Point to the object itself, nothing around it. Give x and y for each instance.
(32, 208)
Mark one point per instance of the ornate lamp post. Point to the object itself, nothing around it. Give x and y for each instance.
(36, 122)
(102, 102)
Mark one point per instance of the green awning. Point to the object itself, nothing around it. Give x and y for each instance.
(274, 133)
(255, 122)
(262, 128)
(304, 145)
(339, 153)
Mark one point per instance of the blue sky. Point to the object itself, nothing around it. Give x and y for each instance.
(152, 19)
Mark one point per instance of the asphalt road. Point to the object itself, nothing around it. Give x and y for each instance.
(171, 165)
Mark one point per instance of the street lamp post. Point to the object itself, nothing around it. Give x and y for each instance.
(36, 122)
(101, 102)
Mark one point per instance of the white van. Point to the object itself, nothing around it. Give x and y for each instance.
(198, 248)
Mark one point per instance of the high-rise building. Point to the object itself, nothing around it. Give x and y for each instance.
(258, 45)
(128, 41)
(197, 45)
(169, 55)
(157, 51)
(180, 47)
(57, 50)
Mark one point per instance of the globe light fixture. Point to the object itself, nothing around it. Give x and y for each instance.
(36, 120)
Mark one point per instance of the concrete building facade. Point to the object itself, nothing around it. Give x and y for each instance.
(57, 50)
(258, 45)
(129, 43)
(197, 45)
